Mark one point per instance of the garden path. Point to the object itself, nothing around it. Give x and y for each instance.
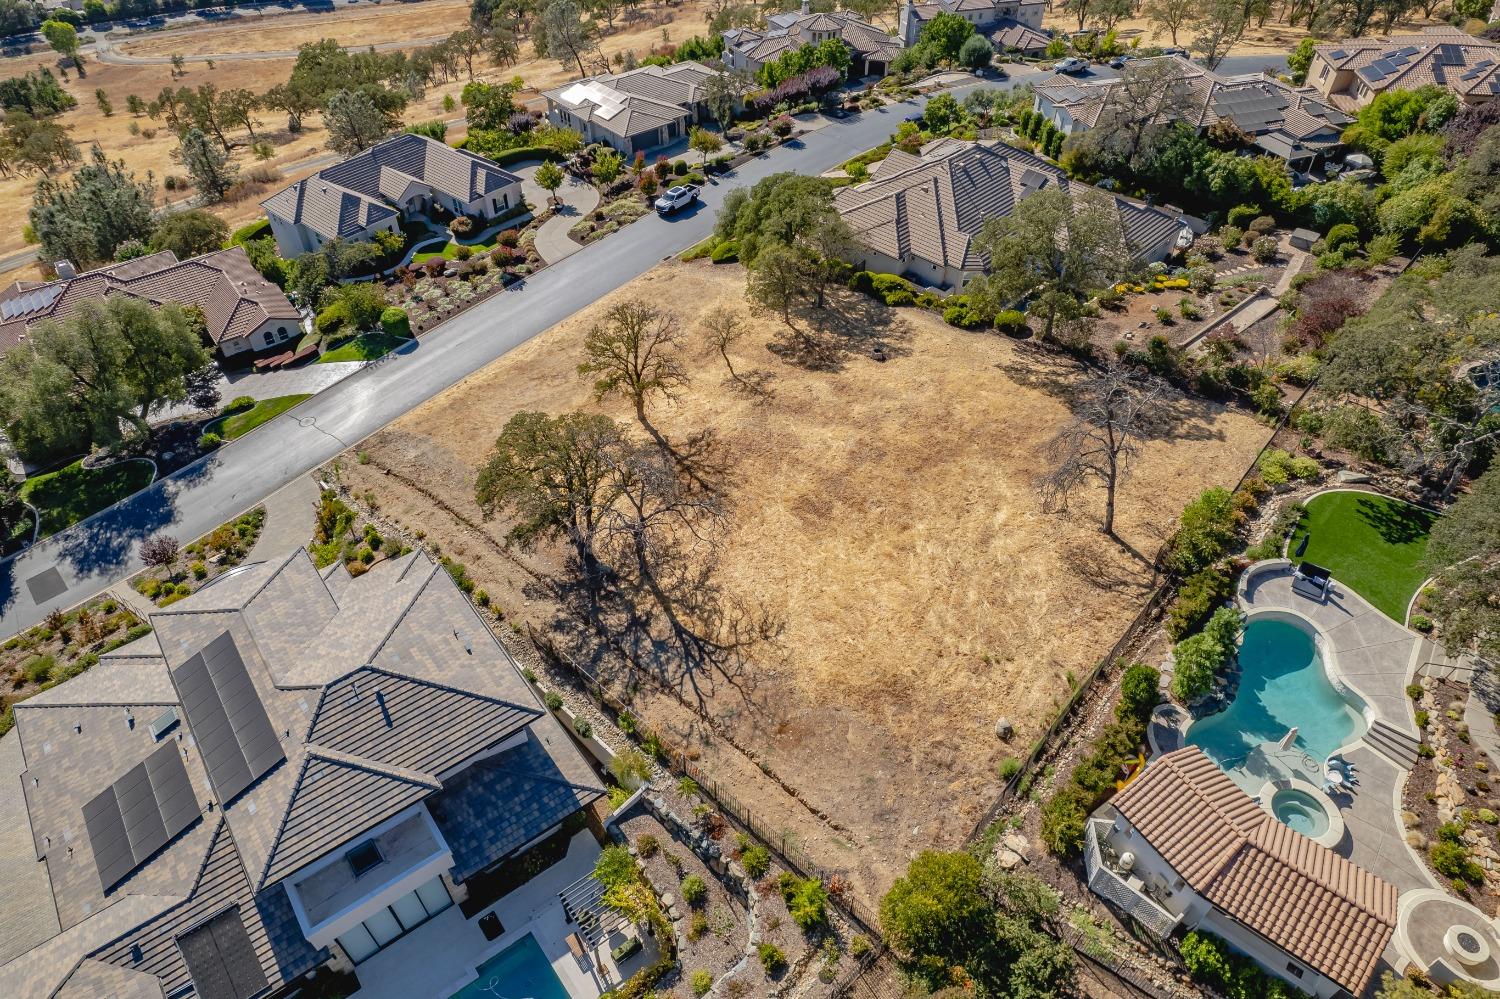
(578, 198)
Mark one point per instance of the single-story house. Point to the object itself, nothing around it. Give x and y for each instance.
(1350, 72)
(918, 214)
(296, 769)
(1295, 124)
(402, 178)
(871, 49)
(634, 111)
(242, 311)
(1183, 847)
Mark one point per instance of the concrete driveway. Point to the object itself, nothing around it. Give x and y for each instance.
(578, 199)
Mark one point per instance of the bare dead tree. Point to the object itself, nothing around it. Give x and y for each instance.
(634, 353)
(724, 330)
(1112, 409)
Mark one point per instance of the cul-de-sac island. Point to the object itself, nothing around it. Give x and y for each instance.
(752, 499)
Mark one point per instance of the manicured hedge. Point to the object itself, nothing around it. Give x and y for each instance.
(395, 322)
(245, 233)
(527, 153)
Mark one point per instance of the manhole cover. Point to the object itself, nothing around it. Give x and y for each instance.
(46, 585)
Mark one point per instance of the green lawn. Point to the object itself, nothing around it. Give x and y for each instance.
(241, 422)
(1373, 544)
(450, 251)
(70, 494)
(365, 347)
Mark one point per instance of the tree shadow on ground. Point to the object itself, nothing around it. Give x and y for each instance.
(1397, 524)
(1094, 568)
(849, 325)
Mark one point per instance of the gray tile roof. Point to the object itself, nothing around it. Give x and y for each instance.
(478, 813)
(931, 206)
(334, 800)
(345, 199)
(793, 30)
(431, 691)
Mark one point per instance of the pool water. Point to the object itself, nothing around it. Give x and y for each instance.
(520, 971)
(1299, 811)
(1282, 685)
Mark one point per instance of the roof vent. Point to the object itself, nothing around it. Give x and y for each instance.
(129, 719)
(162, 723)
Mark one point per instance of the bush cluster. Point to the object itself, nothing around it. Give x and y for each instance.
(1198, 658)
(1278, 467)
(1064, 814)
(806, 899)
(1210, 961)
(1197, 598)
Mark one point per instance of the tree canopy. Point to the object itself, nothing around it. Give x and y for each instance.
(85, 218)
(88, 377)
(1463, 555)
(190, 233)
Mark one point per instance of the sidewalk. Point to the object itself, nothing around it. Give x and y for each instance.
(578, 199)
(289, 520)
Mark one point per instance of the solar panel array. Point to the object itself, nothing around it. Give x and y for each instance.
(1479, 68)
(1449, 55)
(1252, 108)
(221, 958)
(138, 814)
(228, 720)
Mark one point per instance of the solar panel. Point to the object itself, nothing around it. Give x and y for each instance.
(221, 959)
(227, 718)
(138, 814)
(1449, 55)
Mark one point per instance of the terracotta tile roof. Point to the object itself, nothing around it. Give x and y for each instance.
(931, 206)
(1441, 55)
(1307, 900)
(235, 299)
(793, 30)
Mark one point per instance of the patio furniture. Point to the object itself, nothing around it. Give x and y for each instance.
(489, 925)
(1312, 581)
(1333, 776)
(576, 946)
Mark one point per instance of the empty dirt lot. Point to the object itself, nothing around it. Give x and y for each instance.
(887, 513)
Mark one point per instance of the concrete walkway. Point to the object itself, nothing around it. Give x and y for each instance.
(578, 199)
(289, 520)
(28, 916)
(1479, 711)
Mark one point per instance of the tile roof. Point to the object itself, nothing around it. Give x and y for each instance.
(431, 691)
(931, 206)
(1307, 900)
(635, 101)
(1259, 104)
(347, 198)
(1010, 34)
(235, 299)
(1441, 55)
(793, 30)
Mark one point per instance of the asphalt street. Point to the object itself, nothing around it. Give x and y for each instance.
(103, 550)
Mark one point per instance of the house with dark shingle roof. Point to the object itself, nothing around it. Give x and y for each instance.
(870, 49)
(1295, 124)
(918, 214)
(1183, 846)
(1012, 25)
(1349, 73)
(635, 111)
(293, 770)
(242, 311)
(402, 178)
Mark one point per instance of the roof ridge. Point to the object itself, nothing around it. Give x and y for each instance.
(401, 617)
(299, 550)
(392, 770)
(265, 867)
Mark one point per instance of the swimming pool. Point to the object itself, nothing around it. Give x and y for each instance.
(1282, 685)
(520, 971)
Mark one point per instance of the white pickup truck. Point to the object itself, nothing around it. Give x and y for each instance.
(677, 197)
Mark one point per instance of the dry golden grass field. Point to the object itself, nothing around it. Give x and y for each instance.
(885, 513)
(151, 149)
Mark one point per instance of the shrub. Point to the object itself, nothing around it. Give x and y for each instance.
(1198, 658)
(756, 860)
(395, 322)
(772, 960)
(1009, 767)
(1242, 215)
(199, 570)
(1263, 249)
(39, 669)
(1139, 692)
(1063, 818)
(582, 726)
(807, 901)
(553, 700)
(1231, 236)
(209, 442)
(1011, 323)
(725, 252)
(1421, 622)
(1344, 235)
(630, 768)
(1199, 595)
(694, 891)
(1205, 533)
(701, 982)
(1262, 224)
(1452, 860)
(1486, 816)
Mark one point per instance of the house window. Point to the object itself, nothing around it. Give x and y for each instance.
(364, 858)
(282, 333)
(1293, 970)
(390, 922)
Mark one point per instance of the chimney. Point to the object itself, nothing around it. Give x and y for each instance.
(807, 6)
(65, 269)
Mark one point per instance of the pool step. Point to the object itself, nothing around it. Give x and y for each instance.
(1397, 746)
